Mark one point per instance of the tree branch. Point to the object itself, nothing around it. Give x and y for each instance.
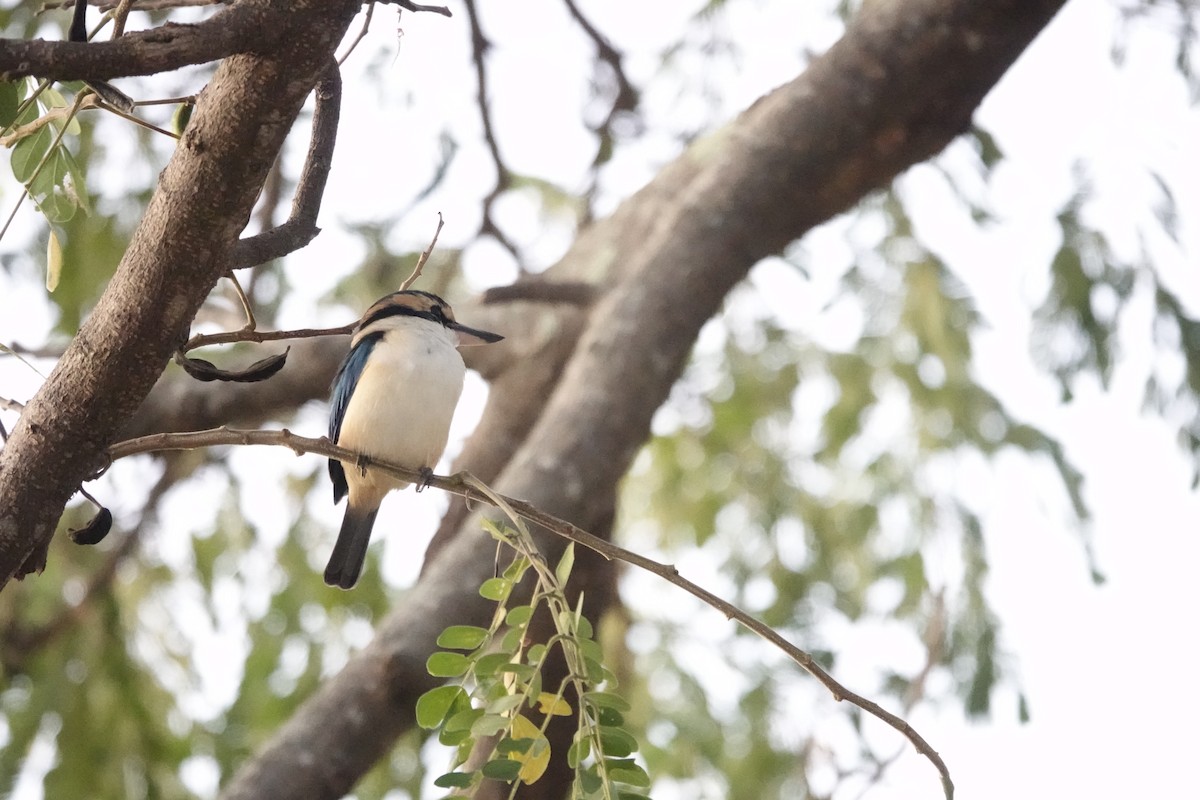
(239, 28)
(466, 486)
(176, 255)
(301, 226)
(479, 49)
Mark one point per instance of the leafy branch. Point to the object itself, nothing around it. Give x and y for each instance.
(465, 485)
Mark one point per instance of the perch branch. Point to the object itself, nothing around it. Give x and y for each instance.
(463, 484)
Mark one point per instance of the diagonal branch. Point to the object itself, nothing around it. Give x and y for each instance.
(301, 226)
(468, 487)
(480, 45)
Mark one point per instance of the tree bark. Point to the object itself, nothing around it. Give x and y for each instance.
(180, 249)
(900, 85)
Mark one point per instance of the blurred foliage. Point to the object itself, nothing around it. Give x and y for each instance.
(820, 479)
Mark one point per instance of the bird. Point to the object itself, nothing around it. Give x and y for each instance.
(393, 398)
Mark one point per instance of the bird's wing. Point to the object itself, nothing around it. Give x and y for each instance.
(339, 400)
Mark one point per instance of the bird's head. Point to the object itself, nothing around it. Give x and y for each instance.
(426, 306)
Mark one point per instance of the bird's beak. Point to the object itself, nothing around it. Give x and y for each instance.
(470, 336)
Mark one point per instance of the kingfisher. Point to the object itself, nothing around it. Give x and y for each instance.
(393, 399)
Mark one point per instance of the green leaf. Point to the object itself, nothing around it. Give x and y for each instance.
(447, 665)
(512, 640)
(51, 98)
(486, 666)
(610, 717)
(505, 704)
(74, 183)
(508, 746)
(563, 570)
(516, 570)
(578, 751)
(10, 101)
(607, 700)
(433, 706)
(490, 725)
(519, 615)
(617, 742)
(502, 769)
(590, 780)
(522, 671)
(455, 780)
(462, 637)
(496, 589)
(29, 151)
(626, 770)
(463, 720)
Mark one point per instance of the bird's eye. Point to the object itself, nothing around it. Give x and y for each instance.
(437, 313)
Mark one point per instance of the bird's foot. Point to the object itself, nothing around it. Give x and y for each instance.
(361, 463)
(426, 476)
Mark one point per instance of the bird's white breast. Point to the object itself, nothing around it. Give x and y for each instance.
(404, 401)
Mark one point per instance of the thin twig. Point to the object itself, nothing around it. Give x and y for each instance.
(416, 273)
(119, 14)
(189, 99)
(251, 323)
(935, 645)
(461, 484)
(362, 32)
(479, 48)
(250, 335)
(568, 293)
(301, 225)
(445, 12)
(138, 120)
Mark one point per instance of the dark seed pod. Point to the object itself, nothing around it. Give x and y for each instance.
(260, 370)
(95, 530)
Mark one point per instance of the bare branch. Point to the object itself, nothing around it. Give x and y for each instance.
(252, 335)
(626, 99)
(572, 293)
(479, 49)
(468, 487)
(416, 273)
(239, 28)
(301, 226)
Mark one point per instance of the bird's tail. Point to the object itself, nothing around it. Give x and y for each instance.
(350, 550)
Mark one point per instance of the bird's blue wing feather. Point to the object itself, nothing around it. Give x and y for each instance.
(339, 400)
